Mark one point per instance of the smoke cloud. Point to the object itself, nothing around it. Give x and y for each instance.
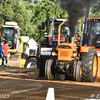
(75, 9)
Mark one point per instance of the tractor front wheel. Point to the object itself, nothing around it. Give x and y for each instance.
(79, 71)
(46, 67)
(77, 75)
(49, 69)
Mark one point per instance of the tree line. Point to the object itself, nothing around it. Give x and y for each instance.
(30, 14)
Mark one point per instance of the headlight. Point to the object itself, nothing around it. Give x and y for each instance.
(54, 54)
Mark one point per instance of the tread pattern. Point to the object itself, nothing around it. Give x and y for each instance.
(48, 69)
(78, 76)
(87, 65)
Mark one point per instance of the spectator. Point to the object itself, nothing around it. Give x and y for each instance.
(5, 48)
(1, 53)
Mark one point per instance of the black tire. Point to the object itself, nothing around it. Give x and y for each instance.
(79, 71)
(46, 65)
(49, 69)
(31, 63)
(89, 65)
(77, 75)
(75, 67)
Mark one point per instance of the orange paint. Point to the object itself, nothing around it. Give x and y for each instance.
(65, 54)
(94, 18)
(84, 49)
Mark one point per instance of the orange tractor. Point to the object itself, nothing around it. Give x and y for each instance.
(74, 60)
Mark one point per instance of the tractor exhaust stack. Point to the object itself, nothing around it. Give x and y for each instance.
(72, 40)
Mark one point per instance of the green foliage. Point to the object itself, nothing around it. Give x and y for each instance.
(29, 15)
(95, 11)
(41, 14)
(29, 1)
(35, 1)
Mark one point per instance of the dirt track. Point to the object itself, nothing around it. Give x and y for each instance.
(24, 84)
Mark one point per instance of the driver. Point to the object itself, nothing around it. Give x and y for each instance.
(98, 31)
(67, 34)
(92, 37)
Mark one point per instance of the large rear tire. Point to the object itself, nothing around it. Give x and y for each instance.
(89, 66)
(31, 63)
(49, 69)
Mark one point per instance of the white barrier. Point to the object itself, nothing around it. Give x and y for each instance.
(50, 94)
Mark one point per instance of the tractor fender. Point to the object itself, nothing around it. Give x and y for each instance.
(31, 56)
(84, 49)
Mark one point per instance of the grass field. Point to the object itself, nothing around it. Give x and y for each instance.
(7, 67)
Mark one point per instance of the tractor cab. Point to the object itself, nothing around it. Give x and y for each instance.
(51, 37)
(94, 33)
(65, 32)
(10, 32)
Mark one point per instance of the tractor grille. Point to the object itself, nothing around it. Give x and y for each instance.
(64, 53)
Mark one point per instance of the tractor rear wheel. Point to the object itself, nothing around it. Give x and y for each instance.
(89, 66)
(49, 69)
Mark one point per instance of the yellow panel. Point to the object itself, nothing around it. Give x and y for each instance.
(98, 74)
(22, 63)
